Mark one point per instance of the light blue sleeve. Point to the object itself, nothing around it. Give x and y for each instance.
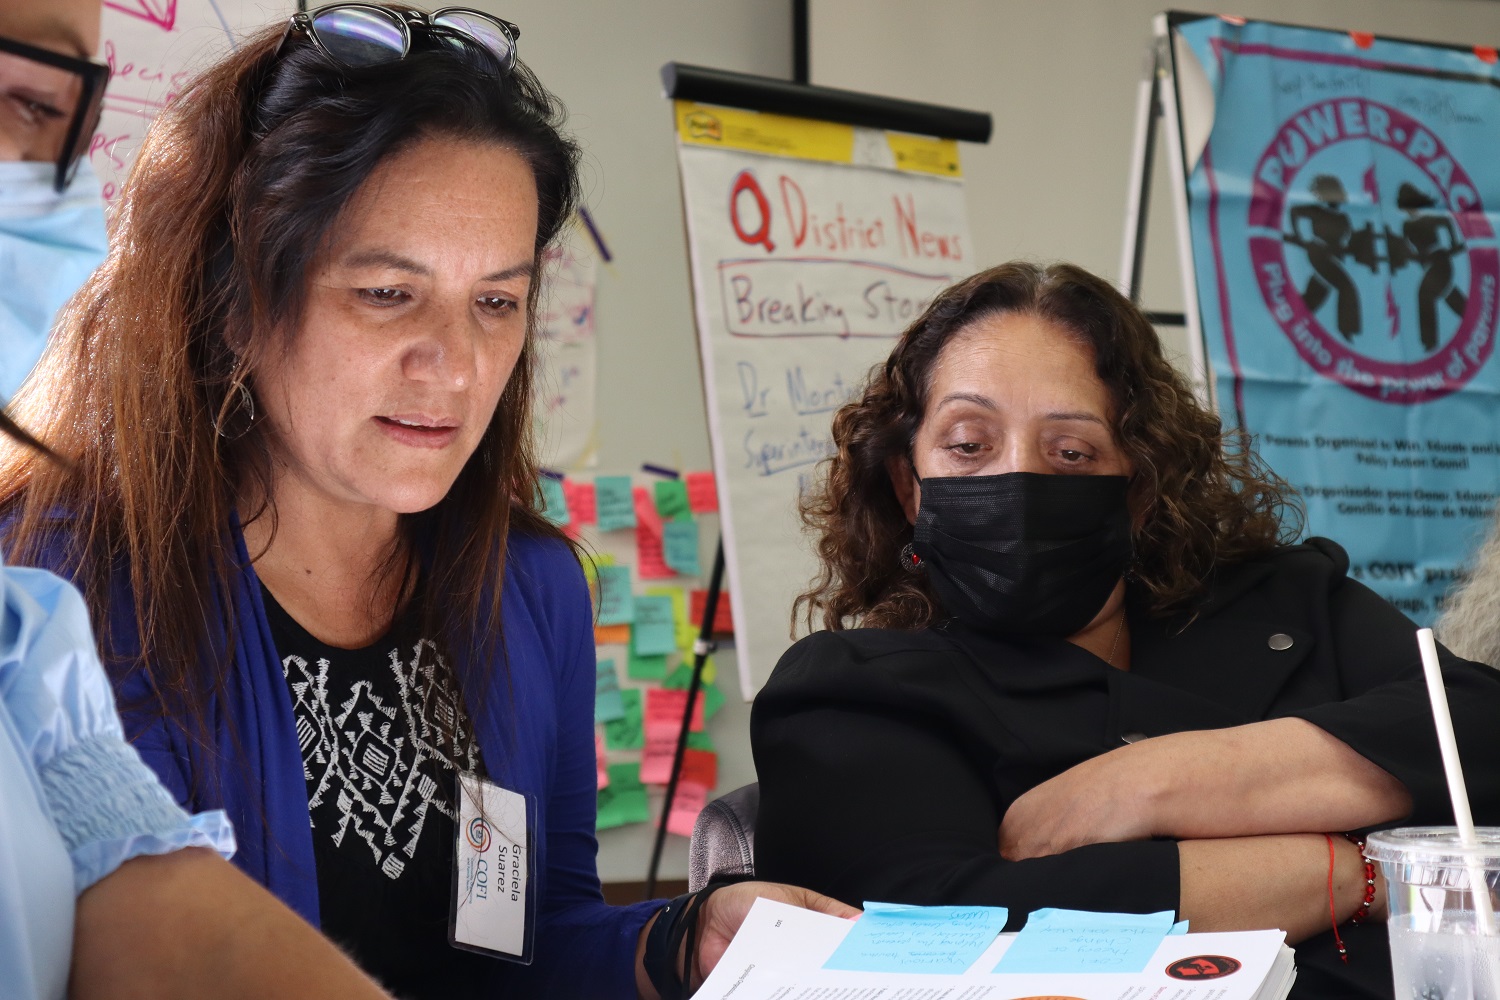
(107, 805)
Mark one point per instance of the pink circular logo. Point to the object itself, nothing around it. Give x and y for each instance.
(1402, 311)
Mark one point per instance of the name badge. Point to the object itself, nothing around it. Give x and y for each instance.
(492, 906)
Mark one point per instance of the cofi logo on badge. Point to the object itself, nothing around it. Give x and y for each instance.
(1373, 252)
(478, 835)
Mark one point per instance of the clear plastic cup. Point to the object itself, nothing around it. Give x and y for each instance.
(1438, 948)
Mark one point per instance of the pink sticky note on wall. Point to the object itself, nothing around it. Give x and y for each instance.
(582, 503)
(656, 756)
(599, 759)
(664, 708)
(651, 560)
(686, 805)
(703, 494)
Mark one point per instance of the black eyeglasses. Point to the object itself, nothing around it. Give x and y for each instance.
(361, 35)
(49, 106)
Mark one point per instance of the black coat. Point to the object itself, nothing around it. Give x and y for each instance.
(888, 758)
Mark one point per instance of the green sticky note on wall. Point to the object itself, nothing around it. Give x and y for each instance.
(616, 602)
(615, 500)
(679, 542)
(624, 800)
(646, 668)
(672, 500)
(700, 741)
(625, 733)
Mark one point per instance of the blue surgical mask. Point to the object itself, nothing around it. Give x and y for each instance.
(49, 243)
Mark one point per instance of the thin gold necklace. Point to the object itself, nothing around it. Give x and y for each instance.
(1120, 628)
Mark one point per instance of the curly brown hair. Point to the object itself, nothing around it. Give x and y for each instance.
(1199, 495)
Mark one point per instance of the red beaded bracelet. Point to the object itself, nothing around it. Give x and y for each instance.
(1364, 908)
(1333, 913)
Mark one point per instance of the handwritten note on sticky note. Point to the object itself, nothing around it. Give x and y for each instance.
(723, 617)
(686, 805)
(614, 500)
(679, 540)
(931, 939)
(608, 705)
(616, 602)
(1082, 941)
(655, 633)
(581, 503)
(672, 500)
(625, 732)
(703, 494)
(664, 708)
(657, 754)
(554, 501)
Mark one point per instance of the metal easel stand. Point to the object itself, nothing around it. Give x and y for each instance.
(703, 646)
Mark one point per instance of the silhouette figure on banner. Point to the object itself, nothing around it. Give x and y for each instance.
(1428, 239)
(1433, 241)
(1324, 231)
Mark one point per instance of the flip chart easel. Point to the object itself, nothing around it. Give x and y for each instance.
(820, 222)
(1334, 196)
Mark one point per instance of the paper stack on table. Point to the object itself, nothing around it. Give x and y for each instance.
(956, 953)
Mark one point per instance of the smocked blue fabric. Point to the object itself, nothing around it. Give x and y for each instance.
(76, 801)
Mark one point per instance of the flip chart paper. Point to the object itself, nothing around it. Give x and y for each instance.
(672, 500)
(625, 733)
(608, 704)
(654, 633)
(703, 493)
(680, 547)
(1080, 941)
(615, 503)
(616, 602)
(932, 939)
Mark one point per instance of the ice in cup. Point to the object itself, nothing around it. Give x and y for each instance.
(1439, 950)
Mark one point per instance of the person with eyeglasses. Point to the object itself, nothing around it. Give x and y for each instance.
(51, 214)
(297, 399)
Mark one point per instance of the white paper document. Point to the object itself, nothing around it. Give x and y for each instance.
(780, 952)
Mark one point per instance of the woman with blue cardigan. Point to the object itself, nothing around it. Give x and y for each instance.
(297, 400)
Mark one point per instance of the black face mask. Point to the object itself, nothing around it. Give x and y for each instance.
(1024, 553)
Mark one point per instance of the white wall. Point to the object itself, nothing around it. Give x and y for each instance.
(1060, 78)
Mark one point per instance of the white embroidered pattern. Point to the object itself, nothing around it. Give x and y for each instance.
(382, 784)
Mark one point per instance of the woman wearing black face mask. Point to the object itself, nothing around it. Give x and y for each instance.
(1069, 658)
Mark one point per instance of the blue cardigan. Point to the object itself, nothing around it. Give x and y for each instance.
(535, 734)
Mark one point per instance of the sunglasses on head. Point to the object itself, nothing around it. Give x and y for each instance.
(362, 35)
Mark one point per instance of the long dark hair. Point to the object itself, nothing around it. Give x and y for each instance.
(1199, 495)
(145, 386)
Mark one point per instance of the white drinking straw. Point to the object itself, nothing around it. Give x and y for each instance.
(1457, 790)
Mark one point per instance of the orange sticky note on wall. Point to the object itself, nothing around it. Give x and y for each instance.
(611, 635)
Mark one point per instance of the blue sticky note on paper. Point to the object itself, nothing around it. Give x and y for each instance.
(1083, 941)
(615, 500)
(679, 542)
(616, 602)
(1181, 927)
(608, 703)
(930, 939)
(655, 631)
